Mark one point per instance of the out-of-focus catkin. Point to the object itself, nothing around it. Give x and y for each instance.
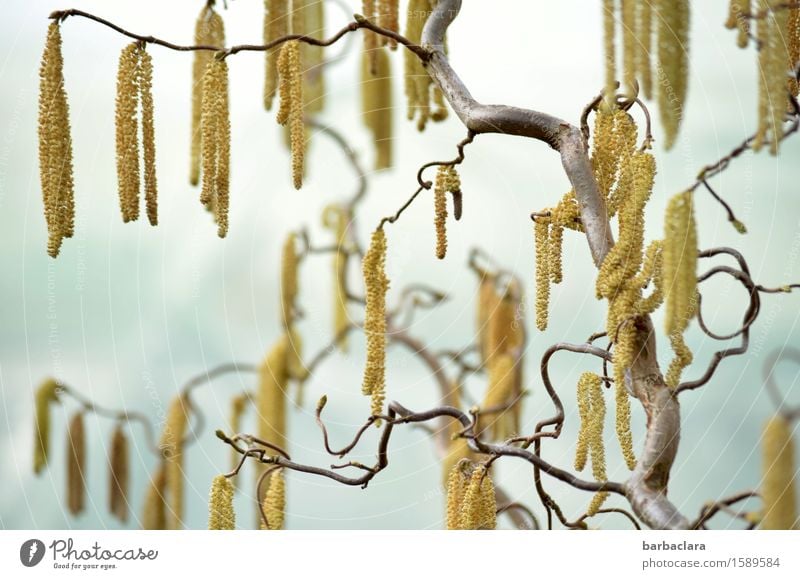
(221, 516)
(274, 503)
(419, 86)
(336, 218)
(209, 30)
(778, 487)
(739, 18)
(291, 106)
(609, 24)
(154, 512)
(376, 97)
(377, 284)
(118, 475)
(542, 239)
(644, 45)
(289, 285)
(271, 394)
(388, 18)
(679, 278)
(171, 446)
(76, 464)
(773, 61)
(276, 25)
(45, 395)
(55, 145)
(216, 143)
(673, 53)
(500, 392)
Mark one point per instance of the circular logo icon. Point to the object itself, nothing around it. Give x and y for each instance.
(31, 552)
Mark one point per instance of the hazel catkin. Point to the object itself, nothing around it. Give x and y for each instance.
(46, 394)
(291, 105)
(336, 218)
(55, 145)
(739, 18)
(276, 24)
(76, 464)
(221, 516)
(592, 410)
(209, 31)
(376, 284)
(274, 503)
(216, 143)
(479, 508)
(289, 285)
(171, 445)
(271, 394)
(440, 211)
(542, 239)
(778, 487)
(154, 512)
(118, 475)
(773, 61)
(673, 51)
(376, 97)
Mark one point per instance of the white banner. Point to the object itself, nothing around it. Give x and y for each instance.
(401, 554)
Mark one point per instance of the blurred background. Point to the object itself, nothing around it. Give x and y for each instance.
(128, 312)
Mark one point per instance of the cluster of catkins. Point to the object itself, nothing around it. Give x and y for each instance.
(592, 411)
(777, 33)
(639, 20)
(420, 89)
(471, 502)
(75, 453)
(447, 181)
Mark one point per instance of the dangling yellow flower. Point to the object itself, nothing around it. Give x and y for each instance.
(739, 18)
(376, 97)
(221, 516)
(276, 24)
(773, 61)
(216, 141)
(377, 284)
(171, 445)
(274, 503)
(119, 475)
(45, 395)
(154, 513)
(55, 145)
(542, 238)
(289, 280)
(76, 464)
(592, 409)
(291, 107)
(673, 52)
(778, 488)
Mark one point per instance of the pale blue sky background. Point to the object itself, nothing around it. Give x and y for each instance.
(129, 312)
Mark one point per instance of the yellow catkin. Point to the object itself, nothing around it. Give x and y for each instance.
(793, 34)
(209, 31)
(592, 409)
(651, 272)
(154, 512)
(118, 475)
(418, 83)
(337, 219)
(456, 489)
(440, 211)
(376, 284)
(624, 146)
(271, 394)
(369, 8)
(505, 330)
(55, 145)
(127, 132)
(291, 105)
(238, 408)
(148, 137)
(555, 246)
(778, 487)
(221, 516)
(500, 391)
(388, 18)
(644, 45)
(673, 63)
(773, 60)
(738, 17)
(629, 43)
(542, 239)
(289, 285)
(216, 141)
(76, 464)
(45, 395)
(171, 446)
(679, 277)
(609, 24)
(376, 96)
(274, 503)
(276, 24)
(605, 159)
(486, 304)
(479, 506)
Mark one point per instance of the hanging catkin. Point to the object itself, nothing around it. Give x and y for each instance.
(276, 25)
(773, 60)
(592, 410)
(739, 18)
(376, 97)
(479, 508)
(336, 218)
(216, 141)
(289, 280)
(673, 62)
(500, 392)
(542, 238)
(609, 24)
(274, 503)
(45, 394)
(271, 394)
(369, 9)
(644, 45)
(208, 31)
(148, 136)
(778, 487)
(376, 284)
(221, 516)
(388, 18)
(154, 512)
(291, 106)
(119, 475)
(76, 464)
(629, 43)
(418, 83)
(679, 272)
(456, 489)
(313, 58)
(171, 446)
(793, 34)
(55, 145)
(238, 407)
(440, 210)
